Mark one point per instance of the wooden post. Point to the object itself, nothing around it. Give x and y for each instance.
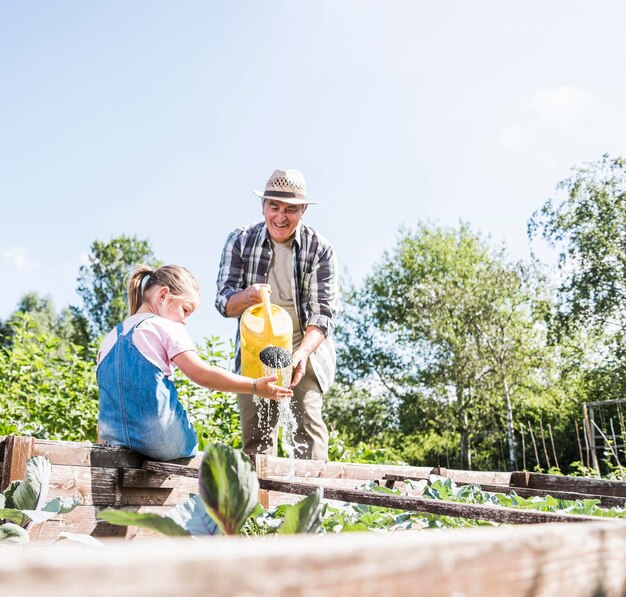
(261, 471)
(523, 447)
(532, 437)
(17, 451)
(543, 442)
(615, 444)
(590, 433)
(610, 447)
(556, 462)
(621, 428)
(580, 448)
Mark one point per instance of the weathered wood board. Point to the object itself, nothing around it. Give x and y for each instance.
(97, 477)
(100, 477)
(583, 560)
(349, 476)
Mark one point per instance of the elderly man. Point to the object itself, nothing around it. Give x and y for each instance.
(301, 269)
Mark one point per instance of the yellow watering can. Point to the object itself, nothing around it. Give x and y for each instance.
(261, 326)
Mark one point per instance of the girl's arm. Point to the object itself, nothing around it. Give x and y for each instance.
(216, 378)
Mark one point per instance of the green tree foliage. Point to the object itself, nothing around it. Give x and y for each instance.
(449, 333)
(102, 282)
(588, 228)
(44, 317)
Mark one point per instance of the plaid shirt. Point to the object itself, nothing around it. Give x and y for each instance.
(246, 260)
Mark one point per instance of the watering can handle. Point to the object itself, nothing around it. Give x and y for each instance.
(267, 307)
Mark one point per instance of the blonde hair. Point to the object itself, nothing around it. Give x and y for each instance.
(178, 279)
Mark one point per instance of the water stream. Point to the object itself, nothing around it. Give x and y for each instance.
(277, 361)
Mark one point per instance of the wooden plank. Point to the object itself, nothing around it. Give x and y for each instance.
(84, 519)
(440, 507)
(274, 466)
(168, 468)
(17, 451)
(136, 477)
(583, 485)
(460, 476)
(87, 454)
(557, 560)
(101, 486)
(336, 482)
(605, 501)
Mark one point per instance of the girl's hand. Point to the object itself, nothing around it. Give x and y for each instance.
(265, 388)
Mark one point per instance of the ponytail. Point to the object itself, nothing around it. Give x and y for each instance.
(178, 279)
(138, 281)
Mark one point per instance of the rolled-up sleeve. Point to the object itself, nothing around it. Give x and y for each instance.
(324, 292)
(231, 272)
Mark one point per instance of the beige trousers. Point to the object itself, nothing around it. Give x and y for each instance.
(259, 425)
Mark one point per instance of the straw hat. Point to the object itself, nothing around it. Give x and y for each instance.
(286, 185)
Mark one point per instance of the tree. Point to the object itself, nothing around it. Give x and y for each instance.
(102, 283)
(43, 317)
(445, 320)
(588, 228)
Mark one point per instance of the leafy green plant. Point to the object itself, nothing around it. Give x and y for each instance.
(226, 503)
(187, 518)
(47, 386)
(23, 503)
(228, 487)
(303, 517)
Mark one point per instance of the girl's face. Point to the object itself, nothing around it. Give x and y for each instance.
(176, 309)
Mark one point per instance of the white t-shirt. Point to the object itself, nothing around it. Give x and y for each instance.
(158, 339)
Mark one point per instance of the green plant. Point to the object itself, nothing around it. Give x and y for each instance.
(227, 501)
(189, 518)
(228, 487)
(47, 386)
(24, 503)
(215, 415)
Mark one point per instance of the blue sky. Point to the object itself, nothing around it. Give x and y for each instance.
(156, 119)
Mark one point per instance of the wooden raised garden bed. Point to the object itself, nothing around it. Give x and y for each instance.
(531, 559)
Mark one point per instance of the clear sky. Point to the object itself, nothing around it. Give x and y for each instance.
(157, 118)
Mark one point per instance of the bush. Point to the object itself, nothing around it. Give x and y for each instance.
(47, 386)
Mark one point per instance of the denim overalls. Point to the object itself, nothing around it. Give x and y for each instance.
(139, 406)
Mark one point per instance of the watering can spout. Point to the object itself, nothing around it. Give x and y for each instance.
(267, 307)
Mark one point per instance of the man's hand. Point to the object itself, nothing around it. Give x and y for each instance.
(253, 296)
(298, 361)
(313, 337)
(245, 298)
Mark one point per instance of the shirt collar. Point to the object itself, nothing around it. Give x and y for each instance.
(297, 235)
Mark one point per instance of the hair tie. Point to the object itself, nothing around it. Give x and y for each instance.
(144, 281)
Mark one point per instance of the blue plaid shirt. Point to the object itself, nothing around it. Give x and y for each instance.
(246, 260)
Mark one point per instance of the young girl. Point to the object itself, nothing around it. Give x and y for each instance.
(139, 405)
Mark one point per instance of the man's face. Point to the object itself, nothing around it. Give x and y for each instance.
(281, 218)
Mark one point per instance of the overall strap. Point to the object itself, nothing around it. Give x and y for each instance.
(120, 326)
(148, 316)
